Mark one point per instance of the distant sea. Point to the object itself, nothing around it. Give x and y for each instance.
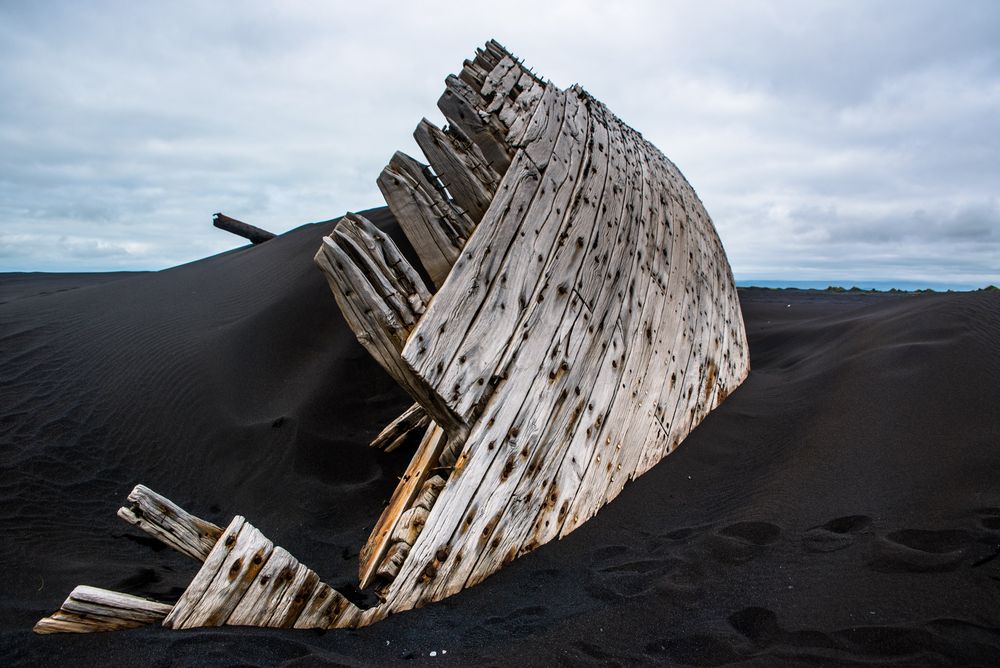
(882, 285)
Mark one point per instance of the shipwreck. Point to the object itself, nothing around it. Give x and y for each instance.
(574, 318)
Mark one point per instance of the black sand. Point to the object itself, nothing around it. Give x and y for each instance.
(842, 506)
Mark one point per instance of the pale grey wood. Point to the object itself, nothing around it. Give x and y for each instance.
(380, 328)
(288, 608)
(217, 588)
(172, 525)
(90, 609)
(266, 591)
(435, 227)
(460, 104)
(461, 168)
(327, 608)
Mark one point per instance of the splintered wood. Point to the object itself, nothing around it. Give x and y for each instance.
(585, 320)
(245, 580)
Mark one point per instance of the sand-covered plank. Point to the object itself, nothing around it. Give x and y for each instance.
(89, 609)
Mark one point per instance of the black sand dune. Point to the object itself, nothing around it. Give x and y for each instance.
(842, 506)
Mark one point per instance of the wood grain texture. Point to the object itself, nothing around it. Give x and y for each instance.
(163, 519)
(588, 324)
(585, 320)
(91, 609)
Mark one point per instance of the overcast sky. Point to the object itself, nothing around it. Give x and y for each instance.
(828, 140)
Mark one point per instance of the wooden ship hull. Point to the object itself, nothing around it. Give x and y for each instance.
(579, 321)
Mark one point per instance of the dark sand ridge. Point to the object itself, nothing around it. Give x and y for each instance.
(843, 504)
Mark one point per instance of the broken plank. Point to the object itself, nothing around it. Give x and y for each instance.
(89, 609)
(163, 519)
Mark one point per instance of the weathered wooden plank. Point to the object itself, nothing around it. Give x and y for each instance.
(593, 371)
(395, 433)
(266, 591)
(461, 167)
(461, 105)
(419, 470)
(217, 588)
(578, 357)
(288, 608)
(434, 226)
(89, 609)
(526, 279)
(574, 363)
(359, 290)
(326, 609)
(434, 342)
(168, 522)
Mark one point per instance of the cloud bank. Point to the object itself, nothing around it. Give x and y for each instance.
(827, 139)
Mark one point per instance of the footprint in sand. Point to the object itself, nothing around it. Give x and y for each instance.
(741, 542)
(836, 534)
(921, 550)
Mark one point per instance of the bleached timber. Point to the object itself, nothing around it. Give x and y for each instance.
(579, 331)
(581, 320)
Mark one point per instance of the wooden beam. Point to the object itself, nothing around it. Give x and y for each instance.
(90, 609)
(254, 235)
(161, 518)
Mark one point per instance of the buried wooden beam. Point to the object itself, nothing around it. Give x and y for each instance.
(254, 235)
(91, 609)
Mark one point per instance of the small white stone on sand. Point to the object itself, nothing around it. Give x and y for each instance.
(444, 651)
(433, 654)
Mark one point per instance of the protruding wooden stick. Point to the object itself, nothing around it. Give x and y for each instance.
(254, 234)
(415, 418)
(90, 609)
(163, 519)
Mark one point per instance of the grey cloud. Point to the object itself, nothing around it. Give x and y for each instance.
(823, 137)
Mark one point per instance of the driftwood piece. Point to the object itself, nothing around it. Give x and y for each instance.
(90, 609)
(254, 235)
(163, 519)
